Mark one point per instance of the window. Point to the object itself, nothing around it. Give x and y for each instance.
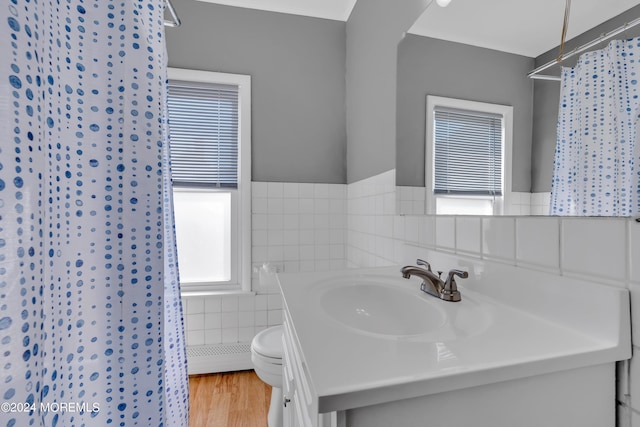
(469, 153)
(209, 129)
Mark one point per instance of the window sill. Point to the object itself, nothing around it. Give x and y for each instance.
(203, 293)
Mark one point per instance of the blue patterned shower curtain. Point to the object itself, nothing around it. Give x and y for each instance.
(90, 318)
(597, 160)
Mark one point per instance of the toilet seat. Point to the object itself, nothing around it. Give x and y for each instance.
(268, 345)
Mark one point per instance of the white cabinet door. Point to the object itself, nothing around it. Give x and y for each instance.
(301, 410)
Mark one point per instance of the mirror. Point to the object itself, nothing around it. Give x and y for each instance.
(459, 52)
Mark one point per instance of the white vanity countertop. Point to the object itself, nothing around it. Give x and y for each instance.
(349, 368)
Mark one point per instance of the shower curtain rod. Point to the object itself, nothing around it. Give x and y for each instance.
(175, 21)
(534, 74)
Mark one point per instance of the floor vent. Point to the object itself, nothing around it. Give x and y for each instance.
(203, 359)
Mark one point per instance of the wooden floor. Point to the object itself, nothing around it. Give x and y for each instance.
(233, 399)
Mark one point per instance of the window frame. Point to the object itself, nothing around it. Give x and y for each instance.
(241, 197)
(500, 203)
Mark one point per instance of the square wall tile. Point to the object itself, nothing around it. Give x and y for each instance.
(411, 229)
(321, 191)
(468, 234)
(229, 335)
(261, 301)
(274, 301)
(275, 190)
(398, 227)
(538, 241)
(246, 319)
(275, 206)
(212, 321)
(260, 318)
(213, 304)
(213, 336)
(259, 189)
(259, 205)
(274, 317)
(246, 334)
(195, 338)
(499, 238)
(230, 320)
(259, 222)
(259, 238)
(427, 231)
(595, 246)
(195, 305)
(246, 302)
(445, 232)
(290, 190)
(229, 303)
(306, 189)
(195, 321)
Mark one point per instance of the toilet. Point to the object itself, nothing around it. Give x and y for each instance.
(266, 356)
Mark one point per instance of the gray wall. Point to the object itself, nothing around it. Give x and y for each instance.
(297, 65)
(428, 66)
(547, 95)
(373, 31)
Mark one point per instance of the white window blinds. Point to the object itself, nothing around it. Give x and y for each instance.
(203, 132)
(468, 152)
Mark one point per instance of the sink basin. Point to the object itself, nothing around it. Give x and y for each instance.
(376, 307)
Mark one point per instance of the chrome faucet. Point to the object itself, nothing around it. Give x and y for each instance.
(433, 284)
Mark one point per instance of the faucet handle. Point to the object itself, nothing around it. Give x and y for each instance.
(450, 283)
(423, 263)
(450, 290)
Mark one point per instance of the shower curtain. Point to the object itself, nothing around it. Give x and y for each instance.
(597, 159)
(90, 318)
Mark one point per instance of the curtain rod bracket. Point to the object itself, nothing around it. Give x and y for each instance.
(175, 20)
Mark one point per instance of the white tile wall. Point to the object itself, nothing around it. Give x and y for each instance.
(298, 226)
(371, 207)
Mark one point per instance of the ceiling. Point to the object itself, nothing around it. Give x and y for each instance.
(329, 9)
(523, 27)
